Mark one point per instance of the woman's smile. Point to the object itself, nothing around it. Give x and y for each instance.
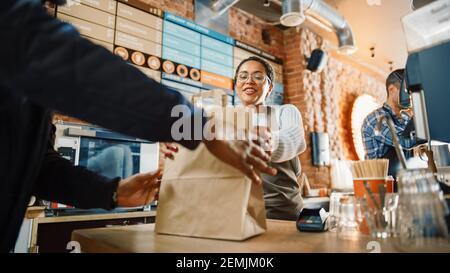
(250, 91)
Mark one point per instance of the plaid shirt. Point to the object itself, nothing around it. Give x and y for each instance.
(377, 145)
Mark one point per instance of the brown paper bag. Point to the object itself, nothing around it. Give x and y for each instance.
(201, 196)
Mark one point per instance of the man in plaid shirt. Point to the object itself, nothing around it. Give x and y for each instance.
(379, 142)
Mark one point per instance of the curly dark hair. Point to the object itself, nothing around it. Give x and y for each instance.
(267, 67)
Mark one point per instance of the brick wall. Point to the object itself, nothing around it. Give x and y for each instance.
(324, 99)
(251, 30)
(183, 8)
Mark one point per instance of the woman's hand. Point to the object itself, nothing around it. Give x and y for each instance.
(139, 189)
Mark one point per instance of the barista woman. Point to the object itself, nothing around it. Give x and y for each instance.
(254, 83)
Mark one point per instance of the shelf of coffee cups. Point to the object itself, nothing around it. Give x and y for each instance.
(183, 71)
(138, 58)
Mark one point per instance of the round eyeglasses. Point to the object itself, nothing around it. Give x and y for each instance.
(257, 77)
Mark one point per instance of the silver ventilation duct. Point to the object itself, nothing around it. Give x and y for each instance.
(323, 13)
(294, 13)
(220, 6)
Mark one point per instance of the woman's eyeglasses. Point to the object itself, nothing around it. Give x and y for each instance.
(257, 77)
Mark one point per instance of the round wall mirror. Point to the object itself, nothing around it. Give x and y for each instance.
(362, 107)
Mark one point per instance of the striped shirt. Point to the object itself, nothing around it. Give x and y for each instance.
(289, 139)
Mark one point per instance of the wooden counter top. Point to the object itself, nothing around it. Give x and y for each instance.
(281, 236)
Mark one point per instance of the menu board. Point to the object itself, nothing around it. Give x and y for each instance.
(170, 49)
(196, 56)
(138, 36)
(132, 32)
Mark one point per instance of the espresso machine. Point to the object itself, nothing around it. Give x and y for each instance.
(427, 83)
(426, 90)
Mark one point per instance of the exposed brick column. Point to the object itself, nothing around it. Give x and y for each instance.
(249, 29)
(183, 8)
(302, 89)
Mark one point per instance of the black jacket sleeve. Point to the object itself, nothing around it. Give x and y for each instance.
(46, 61)
(60, 181)
(64, 183)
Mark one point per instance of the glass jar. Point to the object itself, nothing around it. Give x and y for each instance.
(421, 211)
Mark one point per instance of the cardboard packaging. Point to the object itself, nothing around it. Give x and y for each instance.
(203, 197)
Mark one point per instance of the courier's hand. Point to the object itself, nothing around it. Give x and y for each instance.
(139, 189)
(243, 155)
